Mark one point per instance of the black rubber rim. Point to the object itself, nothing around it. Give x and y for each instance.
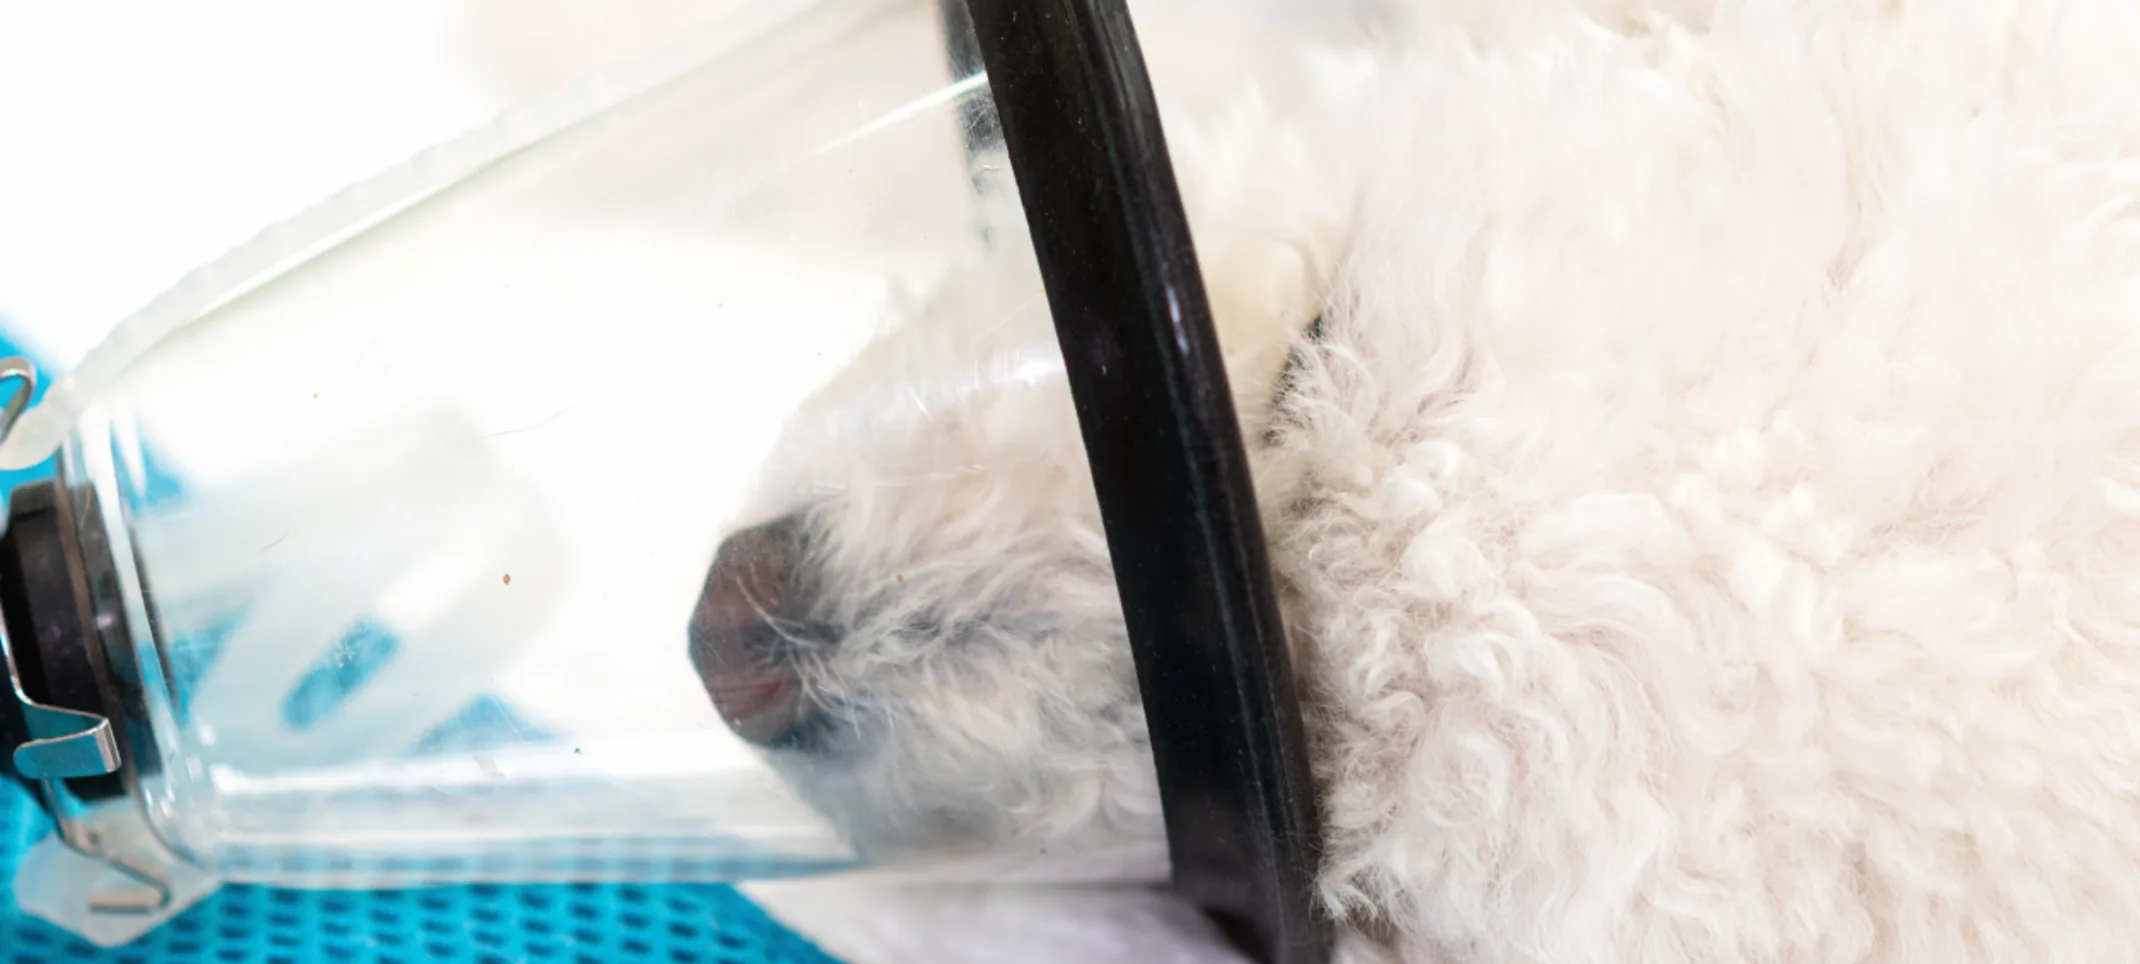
(1082, 129)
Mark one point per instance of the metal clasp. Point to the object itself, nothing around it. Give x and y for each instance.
(64, 744)
(103, 875)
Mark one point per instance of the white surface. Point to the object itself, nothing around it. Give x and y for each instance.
(877, 925)
(143, 139)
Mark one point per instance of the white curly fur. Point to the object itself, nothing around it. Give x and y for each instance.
(1711, 513)
(1709, 520)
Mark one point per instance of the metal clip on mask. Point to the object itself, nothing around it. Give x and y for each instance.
(268, 626)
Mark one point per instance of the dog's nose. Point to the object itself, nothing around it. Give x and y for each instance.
(750, 631)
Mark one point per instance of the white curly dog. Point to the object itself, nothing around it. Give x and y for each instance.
(1707, 513)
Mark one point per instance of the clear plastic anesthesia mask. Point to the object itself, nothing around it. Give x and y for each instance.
(802, 452)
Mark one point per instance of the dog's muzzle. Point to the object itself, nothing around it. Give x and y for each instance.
(752, 633)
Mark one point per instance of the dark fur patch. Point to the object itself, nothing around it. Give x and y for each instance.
(1293, 362)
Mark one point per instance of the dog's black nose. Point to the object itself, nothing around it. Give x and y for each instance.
(751, 630)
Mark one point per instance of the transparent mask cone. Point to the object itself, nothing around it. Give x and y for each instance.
(447, 520)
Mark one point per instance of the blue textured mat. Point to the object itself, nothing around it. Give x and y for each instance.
(482, 924)
(575, 924)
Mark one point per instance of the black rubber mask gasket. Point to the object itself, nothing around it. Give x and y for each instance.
(1081, 125)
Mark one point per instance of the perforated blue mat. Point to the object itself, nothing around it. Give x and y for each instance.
(576, 924)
